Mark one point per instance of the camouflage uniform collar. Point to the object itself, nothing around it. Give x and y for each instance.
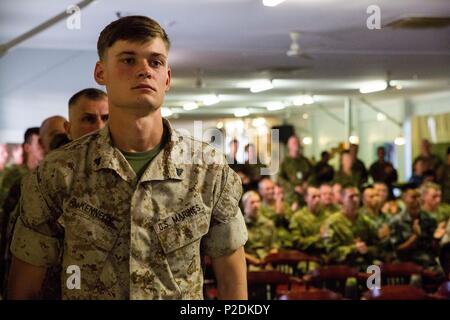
(161, 168)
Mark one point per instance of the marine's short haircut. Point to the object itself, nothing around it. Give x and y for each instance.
(89, 93)
(130, 28)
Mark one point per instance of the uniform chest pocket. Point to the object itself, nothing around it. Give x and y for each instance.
(182, 229)
(86, 238)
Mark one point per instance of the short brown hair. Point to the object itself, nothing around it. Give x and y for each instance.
(131, 28)
(93, 94)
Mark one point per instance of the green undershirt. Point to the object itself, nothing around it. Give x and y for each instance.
(139, 161)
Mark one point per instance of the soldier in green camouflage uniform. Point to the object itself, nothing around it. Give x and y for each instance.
(412, 231)
(294, 172)
(327, 200)
(276, 209)
(32, 155)
(262, 234)
(136, 204)
(372, 210)
(350, 237)
(431, 202)
(305, 224)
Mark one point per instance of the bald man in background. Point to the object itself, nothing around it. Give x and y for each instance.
(50, 128)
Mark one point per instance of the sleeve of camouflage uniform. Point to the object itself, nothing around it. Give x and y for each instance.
(336, 246)
(283, 178)
(397, 236)
(37, 234)
(227, 231)
(300, 240)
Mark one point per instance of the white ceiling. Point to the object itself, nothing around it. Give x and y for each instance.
(233, 42)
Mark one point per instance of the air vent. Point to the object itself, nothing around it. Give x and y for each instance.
(420, 23)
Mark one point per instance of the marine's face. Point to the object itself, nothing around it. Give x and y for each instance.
(252, 205)
(267, 190)
(351, 198)
(326, 195)
(136, 75)
(34, 149)
(337, 194)
(411, 198)
(382, 191)
(87, 116)
(313, 199)
(432, 198)
(371, 198)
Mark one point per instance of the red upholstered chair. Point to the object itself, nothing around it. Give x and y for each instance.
(396, 292)
(262, 285)
(334, 278)
(312, 294)
(399, 273)
(288, 261)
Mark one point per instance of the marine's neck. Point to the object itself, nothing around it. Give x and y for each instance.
(134, 133)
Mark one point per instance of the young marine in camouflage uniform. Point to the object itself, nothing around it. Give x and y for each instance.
(412, 231)
(277, 210)
(136, 204)
(262, 234)
(305, 224)
(350, 237)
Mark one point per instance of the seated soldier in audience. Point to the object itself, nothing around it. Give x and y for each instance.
(431, 202)
(350, 237)
(412, 231)
(262, 234)
(372, 209)
(337, 194)
(326, 199)
(305, 224)
(276, 209)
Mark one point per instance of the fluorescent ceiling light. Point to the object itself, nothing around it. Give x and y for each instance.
(299, 101)
(166, 112)
(381, 116)
(211, 99)
(308, 99)
(373, 86)
(258, 122)
(399, 141)
(273, 106)
(272, 3)
(190, 106)
(307, 140)
(241, 113)
(353, 139)
(260, 86)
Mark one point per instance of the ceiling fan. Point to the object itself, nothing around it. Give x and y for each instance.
(294, 49)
